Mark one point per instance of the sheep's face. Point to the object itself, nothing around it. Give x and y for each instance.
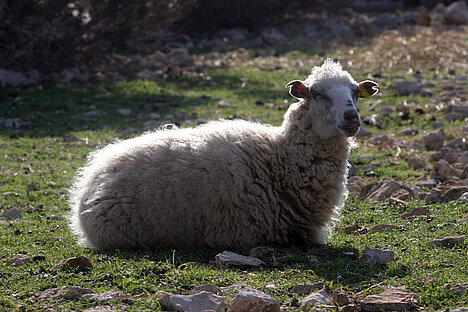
(332, 104)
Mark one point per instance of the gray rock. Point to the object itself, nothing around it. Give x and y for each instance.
(456, 13)
(437, 124)
(207, 287)
(409, 131)
(379, 139)
(233, 259)
(124, 111)
(355, 185)
(363, 132)
(434, 140)
(392, 299)
(18, 260)
(427, 184)
(263, 253)
(377, 256)
(305, 289)
(416, 162)
(11, 213)
(447, 153)
(418, 211)
(224, 104)
(272, 36)
(449, 241)
(382, 190)
(198, 302)
(463, 159)
(443, 171)
(461, 309)
(15, 79)
(68, 75)
(250, 300)
(319, 298)
(463, 199)
(407, 87)
(147, 74)
(51, 293)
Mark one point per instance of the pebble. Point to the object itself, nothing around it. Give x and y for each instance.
(202, 301)
(377, 256)
(251, 300)
(233, 259)
(11, 213)
(449, 241)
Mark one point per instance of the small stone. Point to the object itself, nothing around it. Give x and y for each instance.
(382, 227)
(418, 211)
(305, 289)
(401, 195)
(434, 140)
(437, 124)
(407, 87)
(105, 296)
(409, 131)
(124, 111)
(355, 185)
(456, 13)
(416, 162)
(350, 308)
(352, 228)
(313, 259)
(224, 104)
(463, 199)
(377, 256)
(207, 287)
(320, 298)
(264, 253)
(461, 309)
(443, 171)
(82, 262)
(74, 293)
(233, 259)
(250, 300)
(382, 190)
(18, 260)
(11, 213)
(449, 241)
(51, 293)
(379, 139)
(340, 298)
(459, 290)
(363, 132)
(426, 184)
(392, 299)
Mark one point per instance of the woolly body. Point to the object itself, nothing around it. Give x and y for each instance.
(220, 185)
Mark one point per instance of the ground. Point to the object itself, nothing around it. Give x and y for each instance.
(49, 129)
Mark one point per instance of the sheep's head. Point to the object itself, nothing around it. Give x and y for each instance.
(331, 96)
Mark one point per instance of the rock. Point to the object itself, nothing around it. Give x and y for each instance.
(379, 139)
(416, 162)
(81, 262)
(51, 293)
(233, 34)
(15, 123)
(392, 299)
(447, 153)
(105, 296)
(107, 308)
(456, 13)
(453, 193)
(264, 253)
(207, 287)
(68, 75)
(250, 300)
(443, 171)
(305, 289)
(437, 124)
(462, 309)
(272, 36)
(382, 227)
(463, 199)
(233, 259)
(458, 290)
(352, 228)
(382, 190)
(418, 211)
(18, 260)
(178, 57)
(409, 131)
(427, 184)
(434, 140)
(463, 159)
(449, 241)
(355, 185)
(11, 213)
(224, 104)
(350, 308)
(407, 87)
(74, 293)
(458, 143)
(363, 132)
(340, 298)
(15, 79)
(147, 74)
(377, 256)
(320, 298)
(124, 111)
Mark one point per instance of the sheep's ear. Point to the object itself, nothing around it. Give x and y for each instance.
(298, 89)
(367, 88)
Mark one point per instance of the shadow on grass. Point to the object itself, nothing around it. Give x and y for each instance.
(336, 264)
(55, 110)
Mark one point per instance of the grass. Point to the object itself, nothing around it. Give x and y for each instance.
(37, 166)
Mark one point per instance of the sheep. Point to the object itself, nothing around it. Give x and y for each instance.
(227, 184)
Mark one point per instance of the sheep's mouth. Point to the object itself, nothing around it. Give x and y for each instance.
(349, 130)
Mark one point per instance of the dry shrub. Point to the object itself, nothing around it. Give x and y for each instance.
(415, 48)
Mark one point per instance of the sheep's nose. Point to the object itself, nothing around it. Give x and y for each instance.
(352, 116)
